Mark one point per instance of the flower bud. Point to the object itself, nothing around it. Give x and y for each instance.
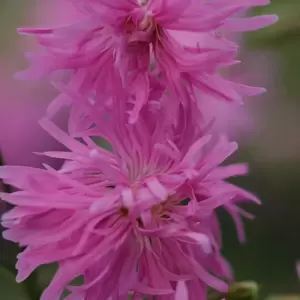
(245, 290)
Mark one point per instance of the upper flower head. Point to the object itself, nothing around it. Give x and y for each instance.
(123, 38)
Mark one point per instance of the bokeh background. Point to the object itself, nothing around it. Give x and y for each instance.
(266, 128)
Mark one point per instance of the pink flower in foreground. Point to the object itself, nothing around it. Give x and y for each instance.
(139, 218)
(21, 107)
(23, 103)
(120, 38)
(298, 268)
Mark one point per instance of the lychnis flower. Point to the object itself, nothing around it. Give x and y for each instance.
(137, 218)
(132, 209)
(120, 38)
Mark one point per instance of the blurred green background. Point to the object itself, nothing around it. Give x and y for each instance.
(272, 150)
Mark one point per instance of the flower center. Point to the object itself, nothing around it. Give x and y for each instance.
(159, 211)
(141, 31)
(142, 2)
(146, 24)
(124, 211)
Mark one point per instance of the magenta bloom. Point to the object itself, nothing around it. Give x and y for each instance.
(139, 218)
(120, 39)
(298, 268)
(132, 209)
(23, 103)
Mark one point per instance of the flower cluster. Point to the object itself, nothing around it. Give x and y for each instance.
(132, 209)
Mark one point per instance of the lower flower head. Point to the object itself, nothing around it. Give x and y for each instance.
(140, 216)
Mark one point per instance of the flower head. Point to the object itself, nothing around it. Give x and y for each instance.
(140, 217)
(132, 209)
(119, 40)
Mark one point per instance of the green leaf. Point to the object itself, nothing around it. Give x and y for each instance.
(9, 288)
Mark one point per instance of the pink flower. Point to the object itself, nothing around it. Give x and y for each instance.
(132, 209)
(298, 268)
(2, 188)
(119, 39)
(25, 106)
(117, 217)
(23, 103)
